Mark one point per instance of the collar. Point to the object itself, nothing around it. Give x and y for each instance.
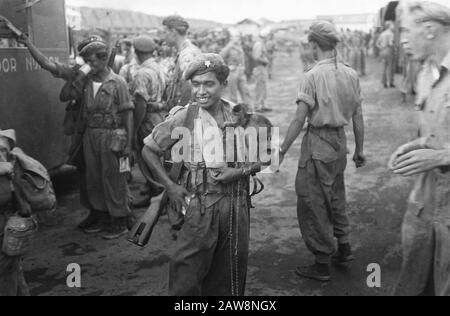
(148, 62)
(326, 61)
(185, 44)
(110, 77)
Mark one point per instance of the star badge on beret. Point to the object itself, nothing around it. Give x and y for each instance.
(208, 63)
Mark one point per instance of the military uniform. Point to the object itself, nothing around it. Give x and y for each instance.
(234, 57)
(12, 281)
(107, 188)
(332, 93)
(426, 226)
(216, 221)
(261, 73)
(149, 83)
(385, 44)
(179, 93)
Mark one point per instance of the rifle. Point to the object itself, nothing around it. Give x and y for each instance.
(16, 32)
(142, 231)
(112, 57)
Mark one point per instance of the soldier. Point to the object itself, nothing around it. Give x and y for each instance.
(261, 73)
(329, 96)
(234, 57)
(72, 93)
(211, 252)
(385, 44)
(179, 91)
(12, 281)
(147, 88)
(425, 233)
(108, 138)
(271, 47)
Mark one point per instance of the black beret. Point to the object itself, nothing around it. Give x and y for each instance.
(88, 41)
(205, 63)
(144, 44)
(176, 22)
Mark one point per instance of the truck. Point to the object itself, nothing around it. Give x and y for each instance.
(29, 95)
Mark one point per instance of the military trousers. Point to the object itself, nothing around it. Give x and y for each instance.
(211, 253)
(106, 187)
(320, 188)
(238, 87)
(387, 59)
(261, 77)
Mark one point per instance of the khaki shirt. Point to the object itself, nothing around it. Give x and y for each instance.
(260, 53)
(386, 40)
(233, 55)
(112, 98)
(149, 82)
(432, 188)
(331, 94)
(181, 88)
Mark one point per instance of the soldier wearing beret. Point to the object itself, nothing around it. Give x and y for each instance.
(73, 94)
(211, 253)
(108, 136)
(179, 91)
(147, 89)
(330, 96)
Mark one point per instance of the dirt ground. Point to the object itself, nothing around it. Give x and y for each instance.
(376, 204)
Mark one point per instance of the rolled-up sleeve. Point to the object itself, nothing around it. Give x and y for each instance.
(141, 86)
(161, 136)
(123, 96)
(306, 92)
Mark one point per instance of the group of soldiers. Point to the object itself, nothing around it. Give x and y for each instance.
(210, 199)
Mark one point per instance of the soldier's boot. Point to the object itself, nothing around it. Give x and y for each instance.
(117, 229)
(318, 272)
(91, 220)
(344, 254)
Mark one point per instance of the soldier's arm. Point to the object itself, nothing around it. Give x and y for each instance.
(156, 145)
(295, 128)
(358, 129)
(40, 58)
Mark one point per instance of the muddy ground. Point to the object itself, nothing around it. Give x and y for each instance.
(376, 204)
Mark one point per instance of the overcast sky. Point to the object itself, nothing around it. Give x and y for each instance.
(230, 11)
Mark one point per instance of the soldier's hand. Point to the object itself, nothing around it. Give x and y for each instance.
(402, 150)
(228, 175)
(419, 161)
(177, 195)
(360, 160)
(23, 39)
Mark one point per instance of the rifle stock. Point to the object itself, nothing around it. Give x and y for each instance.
(143, 230)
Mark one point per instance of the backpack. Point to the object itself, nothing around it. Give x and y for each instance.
(32, 182)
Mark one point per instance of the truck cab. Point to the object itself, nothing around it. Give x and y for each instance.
(29, 95)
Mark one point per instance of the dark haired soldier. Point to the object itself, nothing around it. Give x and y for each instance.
(330, 96)
(108, 136)
(211, 252)
(179, 91)
(72, 92)
(147, 88)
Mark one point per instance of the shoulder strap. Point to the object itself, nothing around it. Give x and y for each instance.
(192, 113)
